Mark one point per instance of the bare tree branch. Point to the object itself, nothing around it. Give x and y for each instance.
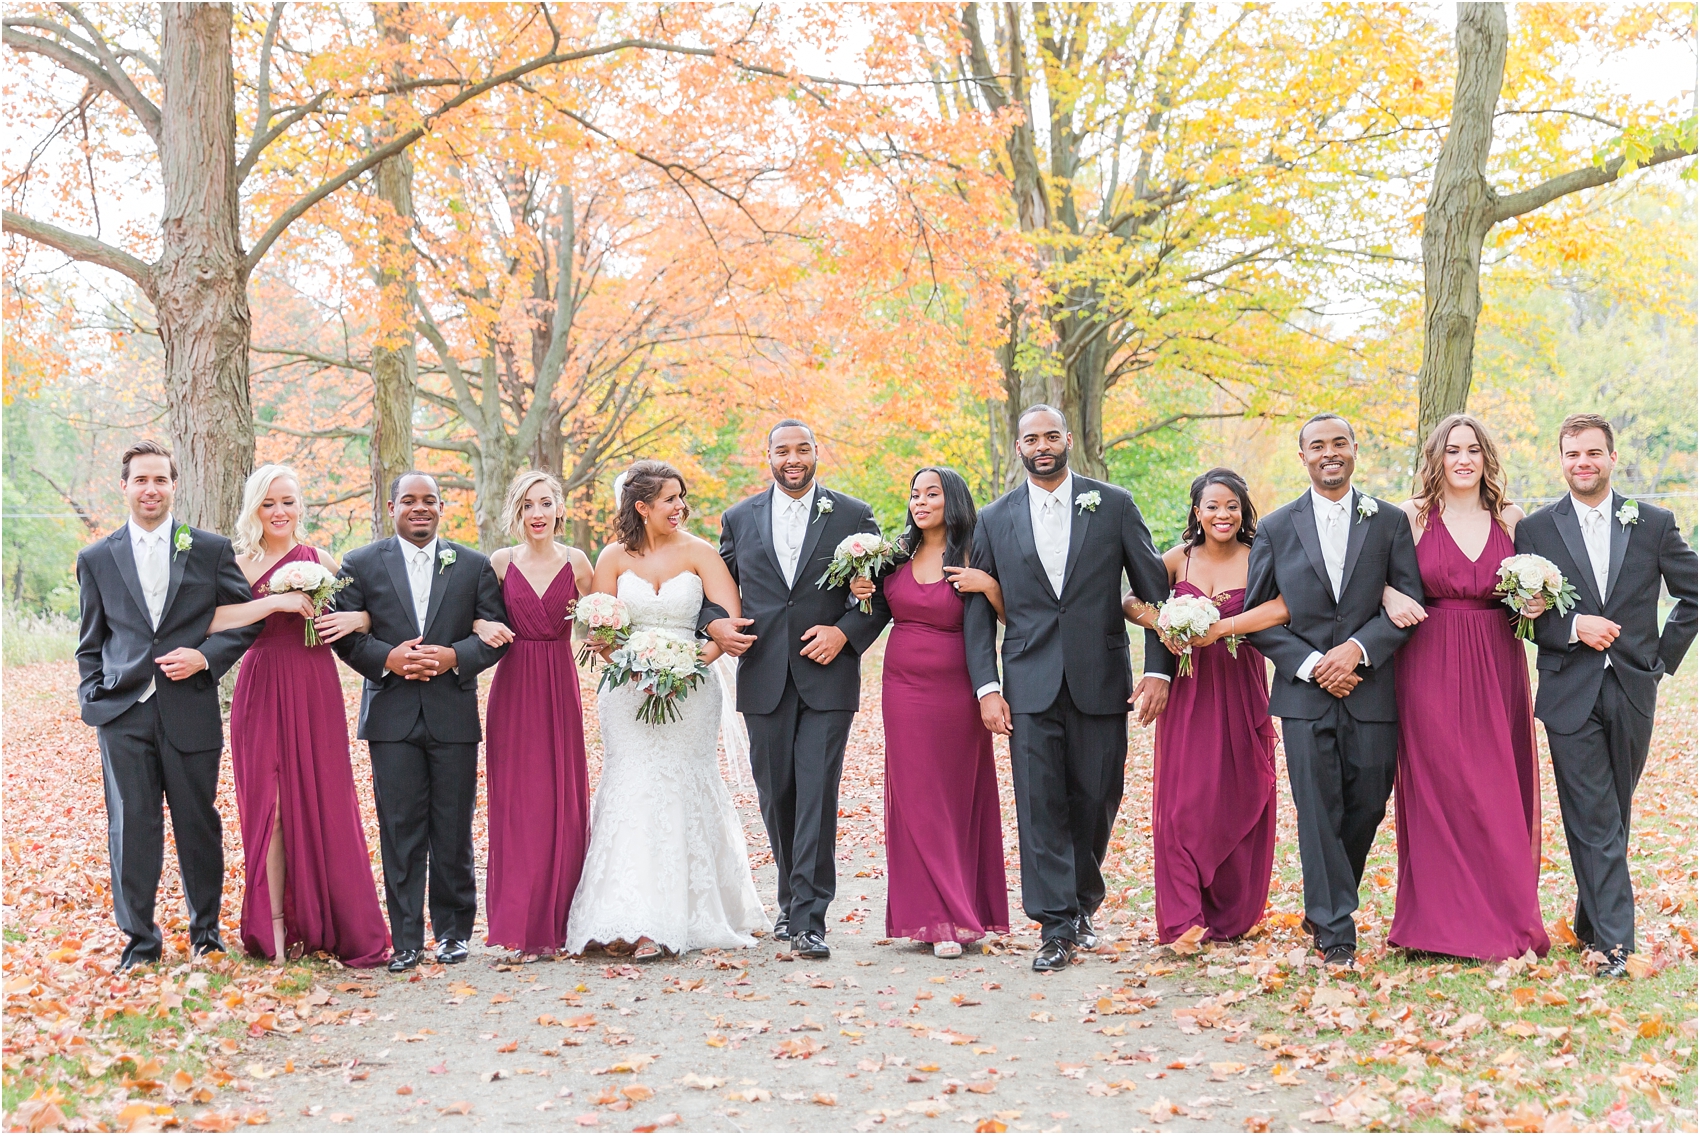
(78, 247)
(113, 82)
(1172, 419)
(1516, 204)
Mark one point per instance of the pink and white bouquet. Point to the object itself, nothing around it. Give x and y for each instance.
(664, 668)
(858, 554)
(1183, 618)
(1525, 578)
(604, 619)
(314, 580)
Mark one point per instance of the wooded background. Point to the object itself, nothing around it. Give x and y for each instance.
(482, 238)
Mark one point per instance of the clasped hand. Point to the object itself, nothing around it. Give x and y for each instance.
(1337, 672)
(416, 660)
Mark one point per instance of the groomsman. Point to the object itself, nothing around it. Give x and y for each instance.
(149, 685)
(419, 712)
(799, 673)
(1330, 554)
(1058, 545)
(1600, 667)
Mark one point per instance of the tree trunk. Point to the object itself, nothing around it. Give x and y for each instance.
(1082, 402)
(395, 366)
(1459, 212)
(199, 286)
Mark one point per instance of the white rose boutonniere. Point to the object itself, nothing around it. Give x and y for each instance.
(1088, 502)
(1629, 514)
(823, 506)
(445, 557)
(182, 540)
(1368, 506)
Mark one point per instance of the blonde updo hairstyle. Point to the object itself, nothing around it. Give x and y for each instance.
(250, 533)
(514, 507)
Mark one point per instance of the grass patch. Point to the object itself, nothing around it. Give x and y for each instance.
(26, 639)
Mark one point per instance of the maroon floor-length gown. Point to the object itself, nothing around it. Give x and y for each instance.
(944, 832)
(534, 759)
(1467, 796)
(1213, 806)
(289, 751)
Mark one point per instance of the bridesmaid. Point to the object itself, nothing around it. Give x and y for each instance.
(534, 744)
(1467, 795)
(943, 831)
(1213, 806)
(309, 875)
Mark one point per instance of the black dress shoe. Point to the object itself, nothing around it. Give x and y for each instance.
(403, 960)
(1615, 965)
(1054, 954)
(808, 944)
(451, 951)
(1342, 955)
(133, 960)
(782, 928)
(1084, 936)
(208, 946)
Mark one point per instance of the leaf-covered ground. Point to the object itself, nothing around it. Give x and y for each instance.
(1400, 1044)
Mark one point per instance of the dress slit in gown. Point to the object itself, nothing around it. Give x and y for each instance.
(289, 752)
(944, 832)
(1213, 807)
(1467, 795)
(534, 760)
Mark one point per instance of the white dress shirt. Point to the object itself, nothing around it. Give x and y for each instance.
(421, 562)
(152, 553)
(1596, 536)
(791, 517)
(1333, 533)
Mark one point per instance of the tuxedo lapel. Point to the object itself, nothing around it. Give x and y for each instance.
(1304, 527)
(177, 561)
(1079, 520)
(125, 557)
(440, 575)
(1357, 531)
(761, 509)
(1619, 546)
(1021, 519)
(812, 533)
(1570, 529)
(395, 560)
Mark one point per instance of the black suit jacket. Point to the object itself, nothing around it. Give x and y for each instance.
(1080, 635)
(462, 591)
(118, 643)
(1286, 560)
(783, 613)
(1641, 554)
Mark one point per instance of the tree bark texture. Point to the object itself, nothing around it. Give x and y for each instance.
(199, 286)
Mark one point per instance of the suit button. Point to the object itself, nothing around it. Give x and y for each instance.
(1339, 618)
(1062, 610)
(790, 602)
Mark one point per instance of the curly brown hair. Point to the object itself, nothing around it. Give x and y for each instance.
(1431, 473)
(644, 482)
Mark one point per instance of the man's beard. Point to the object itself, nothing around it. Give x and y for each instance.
(1031, 463)
(779, 477)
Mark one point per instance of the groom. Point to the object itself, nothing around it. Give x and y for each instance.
(1330, 554)
(149, 685)
(1600, 667)
(419, 712)
(1058, 545)
(799, 672)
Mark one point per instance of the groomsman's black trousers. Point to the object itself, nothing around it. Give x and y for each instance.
(1341, 770)
(1067, 767)
(797, 756)
(1597, 768)
(141, 768)
(426, 791)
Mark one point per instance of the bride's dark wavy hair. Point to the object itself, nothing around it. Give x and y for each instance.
(958, 518)
(645, 482)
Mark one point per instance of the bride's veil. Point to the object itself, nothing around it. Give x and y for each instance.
(734, 738)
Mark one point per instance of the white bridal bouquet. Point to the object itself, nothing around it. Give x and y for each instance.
(1526, 577)
(312, 579)
(663, 667)
(1183, 618)
(859, 554)
(605, 621)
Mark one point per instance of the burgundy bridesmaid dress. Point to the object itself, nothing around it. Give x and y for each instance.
(1213, 806)
(534, 760)
(943, 829)
(289, 750)
(1467, 796)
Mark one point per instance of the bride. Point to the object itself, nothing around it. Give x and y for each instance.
(667, 869)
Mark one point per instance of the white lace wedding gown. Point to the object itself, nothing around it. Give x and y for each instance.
(667, 858)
